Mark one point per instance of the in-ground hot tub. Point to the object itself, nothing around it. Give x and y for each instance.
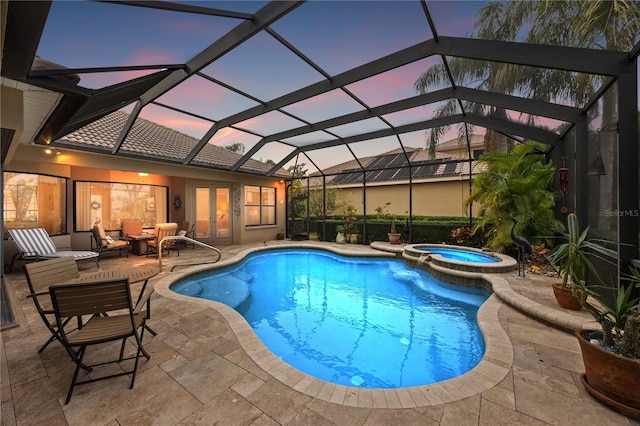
(460, 258)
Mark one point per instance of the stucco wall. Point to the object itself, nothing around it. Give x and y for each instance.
(104, 168)
(444, 197)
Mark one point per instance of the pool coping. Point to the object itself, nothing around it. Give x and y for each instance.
(490, 371)
(504, 264)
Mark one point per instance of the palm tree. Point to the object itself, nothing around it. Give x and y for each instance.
(237, 147)
(611, 24)
(608, 25)
(484, 75)
(515, 185)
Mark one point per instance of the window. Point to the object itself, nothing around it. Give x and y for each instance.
(260, 205)
(112, 203)
(35, 201)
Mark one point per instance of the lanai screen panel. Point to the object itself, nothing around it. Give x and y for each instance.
(263, 68)
(395, 84)
(217, 154)
(101, 135)
(602, 159)
(339, 36)
(90, 34)
(169, 140)
(226, 64)
(205, 98)
(551, 85)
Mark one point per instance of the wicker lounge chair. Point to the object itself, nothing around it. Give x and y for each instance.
(35, 244)
(105, 302)
(106, 244)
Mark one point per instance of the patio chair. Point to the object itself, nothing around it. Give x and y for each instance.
(106, 244)
(187, 230)
(105, 301)
(40, 276)
(35, 244)
(131, 228)
(162, 230)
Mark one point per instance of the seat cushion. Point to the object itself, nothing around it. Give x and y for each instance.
(33, 240)
(131, 227)
(117, 244)
(103, 235)
(77, 255)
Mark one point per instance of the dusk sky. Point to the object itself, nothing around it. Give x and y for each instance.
(335, 35)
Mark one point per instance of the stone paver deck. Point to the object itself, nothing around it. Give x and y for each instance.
(208, 367)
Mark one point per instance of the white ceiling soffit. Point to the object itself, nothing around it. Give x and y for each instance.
(38, 105)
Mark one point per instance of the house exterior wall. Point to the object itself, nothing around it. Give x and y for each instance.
(434, 197)
(82, 166)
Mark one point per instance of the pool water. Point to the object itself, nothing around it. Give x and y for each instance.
(366, 322)
(459, 254)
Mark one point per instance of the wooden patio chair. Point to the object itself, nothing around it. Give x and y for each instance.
(42, 275)
(36, 244)
(106, 244)
(187, 230)
(113, 318)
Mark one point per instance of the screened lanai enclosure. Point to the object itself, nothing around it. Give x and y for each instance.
(353, 97)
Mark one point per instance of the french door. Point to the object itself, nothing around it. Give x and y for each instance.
(212, 208)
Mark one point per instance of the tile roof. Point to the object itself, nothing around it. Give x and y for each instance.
(477, 141)
(157, 142)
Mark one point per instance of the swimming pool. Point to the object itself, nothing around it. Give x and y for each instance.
(345, 319)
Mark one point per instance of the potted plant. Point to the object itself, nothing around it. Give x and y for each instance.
(393, 235)
(383, 213)
(611, 356)
(350, 226)
(573, 264)
(340, 239)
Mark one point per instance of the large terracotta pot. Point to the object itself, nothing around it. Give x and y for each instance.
(610, 378)
(394, 238)
(565, 298)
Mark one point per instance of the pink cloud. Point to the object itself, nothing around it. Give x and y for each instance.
(228, 136)
(151, 57)
(176, 121)
(101, 80)
(324, 106)
(392, 85)
(194, 89)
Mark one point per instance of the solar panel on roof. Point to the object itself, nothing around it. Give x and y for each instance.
(449, 169)
(371, 176)
(386, 161)
(426, 171)
(403, 173)
(388, 174)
